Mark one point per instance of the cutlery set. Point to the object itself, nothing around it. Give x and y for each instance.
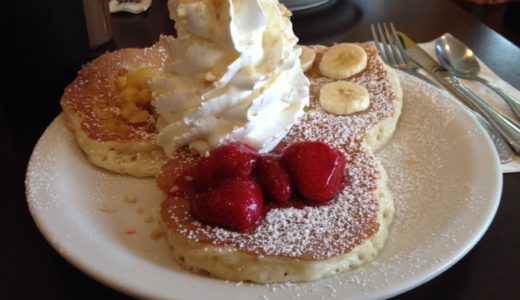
(461, 61)
(401, 52)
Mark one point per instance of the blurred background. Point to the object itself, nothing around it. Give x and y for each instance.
(37, 34)
(503, 16)
(45, 44)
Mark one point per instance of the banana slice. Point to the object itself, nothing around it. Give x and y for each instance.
(343, 98)
(343, 60)
(306, 57)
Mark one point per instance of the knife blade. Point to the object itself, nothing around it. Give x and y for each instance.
(509, 128)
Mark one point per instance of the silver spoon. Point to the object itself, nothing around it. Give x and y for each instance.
(461, 61)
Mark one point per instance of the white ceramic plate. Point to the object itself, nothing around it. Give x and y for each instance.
(297, 5)
(443, 171)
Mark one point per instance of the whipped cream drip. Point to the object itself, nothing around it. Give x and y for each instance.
(232, 74)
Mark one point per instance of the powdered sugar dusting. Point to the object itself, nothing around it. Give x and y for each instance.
(43, 176)
(315, 232)
(442, 198)
(76, 204)
(92, 98)
(436, 204)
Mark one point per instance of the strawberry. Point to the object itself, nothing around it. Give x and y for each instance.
(316, 170)
(205, 171)
(233, 203)
(273, 178)
(227, 161)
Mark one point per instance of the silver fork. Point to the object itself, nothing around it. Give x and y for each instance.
(392, 52)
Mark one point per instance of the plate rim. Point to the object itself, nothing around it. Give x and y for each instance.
(296, 6)
(393, 290)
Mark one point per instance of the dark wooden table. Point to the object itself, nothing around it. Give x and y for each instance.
(46, 45)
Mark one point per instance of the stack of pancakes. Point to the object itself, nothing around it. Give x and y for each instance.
(290, 243)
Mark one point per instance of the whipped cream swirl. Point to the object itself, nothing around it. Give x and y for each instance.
(232, 74)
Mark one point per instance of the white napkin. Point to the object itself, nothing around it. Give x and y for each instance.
(491, 97)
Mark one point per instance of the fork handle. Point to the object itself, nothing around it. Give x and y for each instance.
(505, 153)
(508, 127)
(513, 102)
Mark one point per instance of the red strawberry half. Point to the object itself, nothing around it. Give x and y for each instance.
(226, 161)
(316, 170)
(233, 203)
(273, 178)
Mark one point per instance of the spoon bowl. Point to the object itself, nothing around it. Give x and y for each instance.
(459, 60)
(456, 57)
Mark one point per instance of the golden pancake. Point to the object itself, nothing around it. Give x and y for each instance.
(295, 243)
(107, 108)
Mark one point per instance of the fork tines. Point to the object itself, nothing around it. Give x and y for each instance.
(388, 44)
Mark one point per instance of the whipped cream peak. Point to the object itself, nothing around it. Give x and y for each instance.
(232, 74)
